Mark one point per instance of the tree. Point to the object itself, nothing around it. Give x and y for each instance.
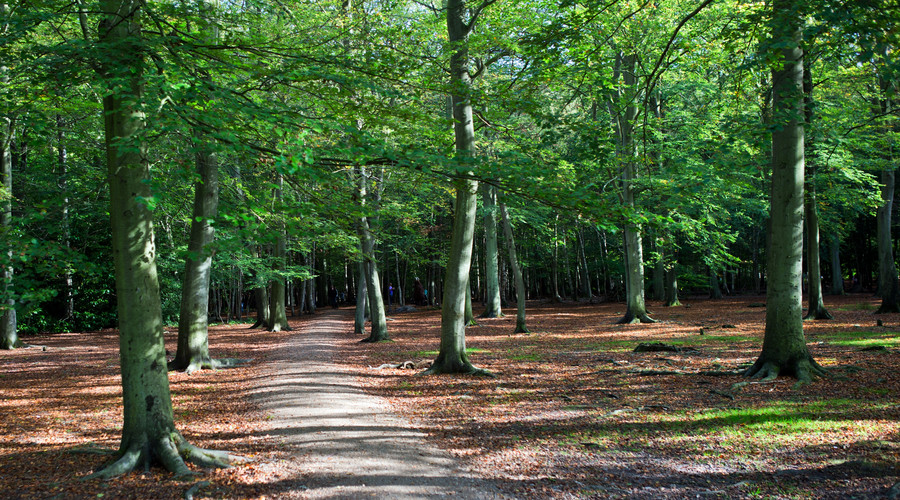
(9, 336)
(784, 350)
(492, 307)
(378, 331)
(516, 270)
(452, 356)
(148, 433)
(816, 308)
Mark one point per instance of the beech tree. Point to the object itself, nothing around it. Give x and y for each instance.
(784, 350)
(149, 433)
(452, 356)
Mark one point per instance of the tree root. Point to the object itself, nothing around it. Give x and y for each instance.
(172, 451)
(375, 338)
(207, 363)
(521, 329)
(464, 368)
(630, 318)
(803, 369)
(818, 313)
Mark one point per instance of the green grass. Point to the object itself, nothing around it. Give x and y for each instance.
(862, 306)
(862, 338)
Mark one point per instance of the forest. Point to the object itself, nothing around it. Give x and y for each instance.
(168, 166)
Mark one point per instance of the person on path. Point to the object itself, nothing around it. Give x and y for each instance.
(390, 294)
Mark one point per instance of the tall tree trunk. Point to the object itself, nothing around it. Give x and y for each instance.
(193, 339)
(816, 308)
(715, 291)
(9, 334)
(888, 284)
(623, 121)
(277, 310)
(554, 268)
(362, 302)
(516, 270)
(62, 161)
(585, 273)
(452, 356)
(784, 350)
(837, 277)
(492, 307)
(261, 301)
(148, 432)
(378, 330)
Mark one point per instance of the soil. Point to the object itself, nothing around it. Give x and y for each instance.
(573, 411)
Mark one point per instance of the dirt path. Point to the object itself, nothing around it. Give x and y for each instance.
(346, 443)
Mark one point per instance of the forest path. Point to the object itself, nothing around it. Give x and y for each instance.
(346, 443)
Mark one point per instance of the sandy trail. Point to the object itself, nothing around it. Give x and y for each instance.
(348, 444)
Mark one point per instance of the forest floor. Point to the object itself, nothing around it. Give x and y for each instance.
(572, 413)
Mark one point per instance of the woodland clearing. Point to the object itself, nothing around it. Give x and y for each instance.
(572, 412)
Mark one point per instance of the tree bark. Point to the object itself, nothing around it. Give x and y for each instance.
(784, 350)
(9, 334)
(452, 356)
(193, 335)
(623, 123)
(837, 277)
(277, 310)
(492, 307)
(516, 270)
(362, 302)
(148, 432)
(378, 329)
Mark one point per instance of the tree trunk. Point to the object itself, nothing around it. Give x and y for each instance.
(837, 277)
(452, 356)
(888, 285)
(816, 302)
(715, 291)
(148, 432)
(585, 274)
(492, 307)
(671, 299)
(378, 330)
(554, 267)
(9, 334)
(277, 310)
(362, 303)
(516, 270)
(784, 350)
(623, 122)
(193, 340)
(261, 301)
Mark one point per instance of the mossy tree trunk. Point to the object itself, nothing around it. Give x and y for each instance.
(784, 350)
(888, 283)
(516, 270)
(148, 432)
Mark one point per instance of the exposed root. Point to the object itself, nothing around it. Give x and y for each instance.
(189, 494)
(521, 329)
(172, 451)
(818, 313)
(371, 339)
(630, 318)
(458, 368)
(804, 370)
(207, 363)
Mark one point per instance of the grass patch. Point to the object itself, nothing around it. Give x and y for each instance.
(862, 339)
(862, 306)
